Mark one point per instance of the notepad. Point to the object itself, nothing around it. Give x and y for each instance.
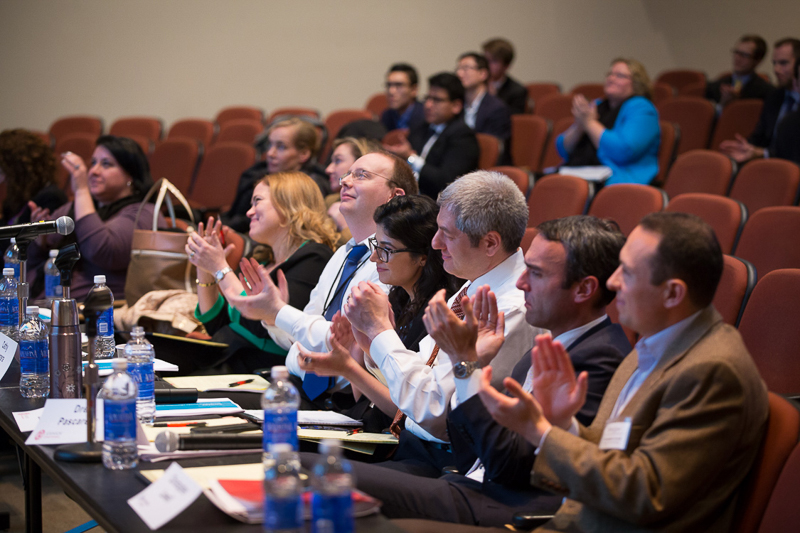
(204, 406)
(220, 383)
(315, 418)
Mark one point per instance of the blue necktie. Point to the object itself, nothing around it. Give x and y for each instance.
(314, 385)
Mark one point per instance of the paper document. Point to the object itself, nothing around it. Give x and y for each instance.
(315, 418)
(372, 438)
(224, 383)
(104, 366)
(204, 406)
(592, 173)
(165, 499)
(27, 420)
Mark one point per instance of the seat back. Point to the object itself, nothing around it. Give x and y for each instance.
(241, 130)
(694, 116)
(377, 104)
(145, 143)
(176, 159)
(739, 117)
(538, 90)
(735, 286)
(698, 90)
(766, 183)
(783, 427)
(292, 112)
(769, 239)
(627, 203)
(489, 147)
(769, 328)
(529, 135)
(520, 177)
(670, 139)
(700, 171)
(76, 124)
(550, 158)
(237, 113)
(782, 512)
(148, 127)
(592, 91)
(218, 176)
(680, 78)
(725, 215)
(199, 129)
(662, 92)
(527, 239)
(558, 196)
(554, 107)
(334, 122)
(234, 238)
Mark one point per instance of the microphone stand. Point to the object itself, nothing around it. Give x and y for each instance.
(23, 290)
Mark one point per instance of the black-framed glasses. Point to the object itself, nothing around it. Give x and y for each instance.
(436, 99)
(741, 53)
(384, 254)
(360, 174)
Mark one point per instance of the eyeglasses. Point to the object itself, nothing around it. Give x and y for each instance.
(384, 254)
(460, 68)
(739, 53)
(360, 174)
(618, 75)
(396, 85)
(436, 99)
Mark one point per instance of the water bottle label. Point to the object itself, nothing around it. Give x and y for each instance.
(283, 513)
(280, 428)
(105, 322)
(336, 511)
(119, 420)
(143, 375)
(52, 287)
(9, 312)
(34, 357)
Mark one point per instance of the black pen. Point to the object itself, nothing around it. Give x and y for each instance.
(243, 382)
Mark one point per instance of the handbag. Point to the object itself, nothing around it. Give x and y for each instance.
(158, 257)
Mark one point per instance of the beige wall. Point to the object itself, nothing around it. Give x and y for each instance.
(189, 58)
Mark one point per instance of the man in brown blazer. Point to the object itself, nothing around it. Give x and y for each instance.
(683, 417)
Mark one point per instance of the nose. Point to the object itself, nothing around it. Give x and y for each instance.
(521, 284)
(374, 256)
(436, 242)
(251, 212)
(330, 169)
(613, 280)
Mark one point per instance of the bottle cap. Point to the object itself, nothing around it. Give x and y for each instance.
(137, 331)
(100, 279)
(8, 271)
(53, 253)
(13, 240)
(279, 372)
(119, 363)
(32, 310)
(330, 447)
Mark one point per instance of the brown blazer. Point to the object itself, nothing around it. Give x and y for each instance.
(697, 423)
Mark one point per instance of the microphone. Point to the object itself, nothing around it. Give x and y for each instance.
(169, 441)
(62, 226)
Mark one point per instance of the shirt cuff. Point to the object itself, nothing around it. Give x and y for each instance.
(416, 163)
(467, 388)
(573, 427)
(383, 344)
(541, 441)
(287, 317)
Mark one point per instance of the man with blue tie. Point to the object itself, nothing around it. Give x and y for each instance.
(371, 181)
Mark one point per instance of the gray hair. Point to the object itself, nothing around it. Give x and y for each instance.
(484, 201)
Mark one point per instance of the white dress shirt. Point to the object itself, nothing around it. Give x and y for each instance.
(424, 393)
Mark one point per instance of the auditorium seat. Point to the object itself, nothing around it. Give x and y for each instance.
(241, 130)
(82, 144)
(627, 203)
(292, 112)
(680, 78)
(237, 113)
(538, 90)
(769, 328)
(527, 239)
(334, 122)
(520, 177)
(695, 117)
(770, 239)
(698, 90)
(766, 183)
(782, 512)
(44, 136)
(145, 143)
(557, 196)
(490, 149)
(662, 92)
(554, 107)
(529, 135)
(199, 129)
(591, 91)
(218, 176)
(725, 215)
(148, 127)
(670, 139)
(377, 104)
(550, 158)
(176, 159)
(76, 124)
(738, 280)
(700, 171)
(738, 117)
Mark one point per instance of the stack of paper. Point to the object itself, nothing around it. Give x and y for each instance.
(204, 406)
(228, 382)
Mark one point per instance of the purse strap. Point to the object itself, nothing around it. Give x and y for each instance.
(163, 186)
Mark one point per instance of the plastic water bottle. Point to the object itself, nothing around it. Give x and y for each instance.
(283, 505)
(332, 486)
(119, 418)
(12, 257)
(280, 403)
(141, 356)
(9, 305)
(104, 343)
(34, 356)
(52, 278)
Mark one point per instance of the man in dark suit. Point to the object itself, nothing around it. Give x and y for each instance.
(404, 111)
(744, 81)
(443, 147)
(778, 104)
(500, 54)
(567, 266)
(483, 112)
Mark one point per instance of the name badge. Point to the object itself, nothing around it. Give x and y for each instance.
(616, 435)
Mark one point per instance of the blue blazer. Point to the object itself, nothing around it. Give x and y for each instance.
(630, 148)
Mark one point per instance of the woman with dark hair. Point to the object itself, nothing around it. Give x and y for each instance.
(28, 167)
(107, 197)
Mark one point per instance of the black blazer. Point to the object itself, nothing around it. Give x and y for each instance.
(787, 140)
(506, 455)
(514, 95)
(756, 87)
(390, 117)
(762, 134)
(493, 118)
(454, 154)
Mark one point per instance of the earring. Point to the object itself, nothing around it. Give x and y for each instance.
(130, 183)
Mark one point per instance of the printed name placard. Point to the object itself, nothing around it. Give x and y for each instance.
(27, 420)
(7, 350)
(63, 421)
(166, 498)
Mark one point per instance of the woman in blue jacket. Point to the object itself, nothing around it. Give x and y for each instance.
(620, 131)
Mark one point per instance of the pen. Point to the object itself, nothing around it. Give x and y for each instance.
(243, 382)
(354, 431)
(178, 424)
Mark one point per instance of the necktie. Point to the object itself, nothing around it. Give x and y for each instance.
(314, 385)
(788, 105)
(459, 312)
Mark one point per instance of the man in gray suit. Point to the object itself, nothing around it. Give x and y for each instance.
(683, 417)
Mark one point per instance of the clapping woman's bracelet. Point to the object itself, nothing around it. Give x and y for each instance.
(201, 284)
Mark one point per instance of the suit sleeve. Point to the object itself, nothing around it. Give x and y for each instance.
(762, 134)
(518, 101)
(460, 157)
(498, 123)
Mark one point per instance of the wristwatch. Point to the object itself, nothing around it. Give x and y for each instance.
(219, 274)
(464, 369)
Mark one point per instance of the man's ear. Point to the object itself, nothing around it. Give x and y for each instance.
(494, 244)
(397, 191)
(585, 289)
(675, 293)
(456, 106)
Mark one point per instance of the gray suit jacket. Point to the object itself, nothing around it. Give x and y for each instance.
(697, 423)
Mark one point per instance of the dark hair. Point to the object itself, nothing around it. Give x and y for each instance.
(688, 251)
(795, 43)
(450, 83)
(28, 163)
(402, 175)
(759, 42)
(592, 245)
(499, 49)
(411, 219)
(480, 59)
(409, 71)
(131, 159)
